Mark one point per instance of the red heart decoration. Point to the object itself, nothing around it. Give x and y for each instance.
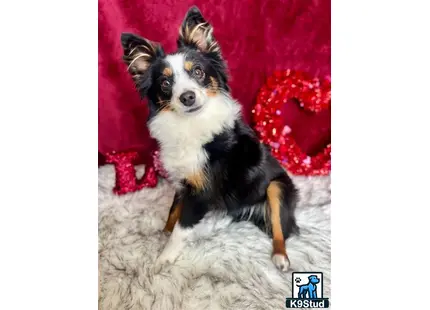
(313, 95)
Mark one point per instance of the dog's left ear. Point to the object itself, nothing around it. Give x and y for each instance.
(196, 32)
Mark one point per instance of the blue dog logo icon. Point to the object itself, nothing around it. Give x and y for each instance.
(309, 295)
(309, 290)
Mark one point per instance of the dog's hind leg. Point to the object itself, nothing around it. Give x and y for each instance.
(302, 292)
(274, 199)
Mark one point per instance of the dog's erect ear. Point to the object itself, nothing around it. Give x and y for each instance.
(139, 54)
(196, 32)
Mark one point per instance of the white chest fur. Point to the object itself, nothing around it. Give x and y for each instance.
(181, 137)
(181, 155)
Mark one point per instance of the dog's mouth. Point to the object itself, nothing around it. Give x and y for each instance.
(193, 109)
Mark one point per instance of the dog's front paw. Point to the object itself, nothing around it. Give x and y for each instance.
(158, 265)
(281, 262)
(164, 259)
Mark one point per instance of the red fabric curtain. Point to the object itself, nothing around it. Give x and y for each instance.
(256, 38)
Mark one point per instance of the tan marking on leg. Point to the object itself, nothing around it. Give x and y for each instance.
(173, 217)
(197, 180)
(168, 71)
(212, 91)
(188, 65)
(274, 194)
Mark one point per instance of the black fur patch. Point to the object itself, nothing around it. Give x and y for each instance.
(239, 171)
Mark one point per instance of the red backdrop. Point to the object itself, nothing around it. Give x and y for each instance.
(256, 37)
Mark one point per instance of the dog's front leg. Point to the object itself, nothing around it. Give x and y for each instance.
(174, 213)
(191, 213)
(174, 245)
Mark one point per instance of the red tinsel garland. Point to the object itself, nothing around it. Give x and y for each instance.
(313, 95)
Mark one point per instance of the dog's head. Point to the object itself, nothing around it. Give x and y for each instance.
(314, 279)
(183, 82)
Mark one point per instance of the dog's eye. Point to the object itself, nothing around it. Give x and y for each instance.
(198, 72)
(165, 85)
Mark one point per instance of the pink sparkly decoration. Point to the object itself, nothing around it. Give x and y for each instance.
(314, 95)
(125, 172)
(286, 130)
(158, 165)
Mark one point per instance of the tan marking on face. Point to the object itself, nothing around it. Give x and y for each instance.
(188, 65)
(166, 107)
(197, 180)
(168, 71)
(213, 89)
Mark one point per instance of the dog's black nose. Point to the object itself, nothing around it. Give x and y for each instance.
(188, 98)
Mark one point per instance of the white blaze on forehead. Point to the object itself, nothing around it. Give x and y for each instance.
(181, 80)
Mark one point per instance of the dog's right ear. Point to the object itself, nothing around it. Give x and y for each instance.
(139, 54)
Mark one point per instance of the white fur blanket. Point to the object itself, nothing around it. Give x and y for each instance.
(227, 268)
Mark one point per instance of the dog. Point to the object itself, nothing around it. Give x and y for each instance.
(309, 289)
(214, 160)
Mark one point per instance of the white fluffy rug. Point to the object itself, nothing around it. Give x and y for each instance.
(228, 268)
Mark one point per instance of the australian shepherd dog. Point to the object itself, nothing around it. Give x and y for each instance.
(214, 160)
